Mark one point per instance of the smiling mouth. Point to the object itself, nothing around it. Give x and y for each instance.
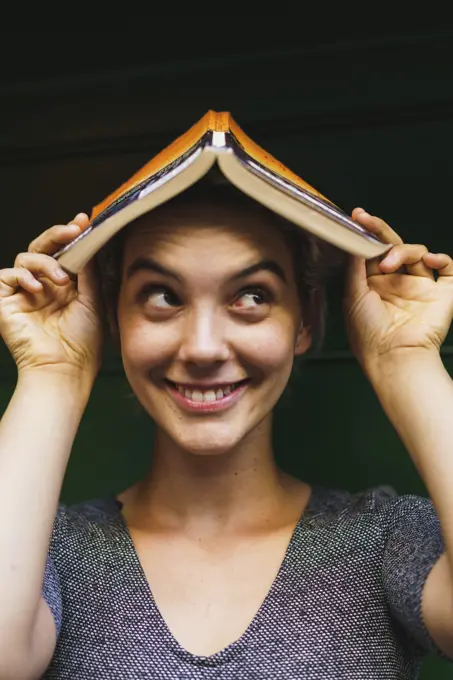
(208, 394)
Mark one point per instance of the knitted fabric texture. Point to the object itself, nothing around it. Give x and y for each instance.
(346, 602)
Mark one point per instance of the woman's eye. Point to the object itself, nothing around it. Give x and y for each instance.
(252, 297)
(161, 298)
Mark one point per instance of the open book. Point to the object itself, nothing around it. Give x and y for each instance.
(217, 138)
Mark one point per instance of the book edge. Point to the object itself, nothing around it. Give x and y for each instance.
(218, 134)
(318, 220)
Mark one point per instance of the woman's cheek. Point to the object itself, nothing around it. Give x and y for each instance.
(270, 347)
(145, 345)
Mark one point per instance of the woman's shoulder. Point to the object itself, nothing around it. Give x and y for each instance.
(338, 498)
(377, 501)
(88, 541)
(372, 518)
(85, 518)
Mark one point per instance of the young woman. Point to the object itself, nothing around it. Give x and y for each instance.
(217, 564)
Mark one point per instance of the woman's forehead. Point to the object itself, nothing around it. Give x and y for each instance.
(205, 226)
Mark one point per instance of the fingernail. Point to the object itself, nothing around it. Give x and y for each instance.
(60, 274)
(74, 226)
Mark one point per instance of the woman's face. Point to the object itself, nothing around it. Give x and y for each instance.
(209, 321)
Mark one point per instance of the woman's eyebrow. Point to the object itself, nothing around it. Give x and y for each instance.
(148, 264)
(263, 265)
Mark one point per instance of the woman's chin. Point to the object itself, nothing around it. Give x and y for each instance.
(208, 440)
(209, 447)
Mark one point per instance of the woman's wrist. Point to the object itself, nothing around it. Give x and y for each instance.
(58, 388)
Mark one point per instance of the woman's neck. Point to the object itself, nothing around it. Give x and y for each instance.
(241, 490)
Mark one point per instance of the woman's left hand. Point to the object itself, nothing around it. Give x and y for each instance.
(395, 306)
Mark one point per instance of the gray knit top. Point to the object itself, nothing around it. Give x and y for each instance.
(346, 602)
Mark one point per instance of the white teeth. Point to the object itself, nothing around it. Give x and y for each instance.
(208, 396)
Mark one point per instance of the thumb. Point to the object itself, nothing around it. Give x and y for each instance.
(88, 285)
(89, 288)
(356, 282)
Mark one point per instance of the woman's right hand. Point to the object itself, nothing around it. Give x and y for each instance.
(49, 323)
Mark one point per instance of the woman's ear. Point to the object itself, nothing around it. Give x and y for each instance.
(303, 340)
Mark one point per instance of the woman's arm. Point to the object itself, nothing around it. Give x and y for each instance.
(416, 393)
(36, 435)
(53, 330)
(398, 312)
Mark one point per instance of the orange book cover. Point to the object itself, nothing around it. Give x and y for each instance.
(217, 138)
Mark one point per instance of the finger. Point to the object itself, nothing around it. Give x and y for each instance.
(410, 256)
(81, 219)
(54, 238)
(376, 226)
(441, 262)
(42, 265)
(51, 240)
(14, 278)
(380, 229)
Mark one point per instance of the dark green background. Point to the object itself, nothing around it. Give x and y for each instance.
(367, 120)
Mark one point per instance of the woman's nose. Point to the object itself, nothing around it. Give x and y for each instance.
(204, 340)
